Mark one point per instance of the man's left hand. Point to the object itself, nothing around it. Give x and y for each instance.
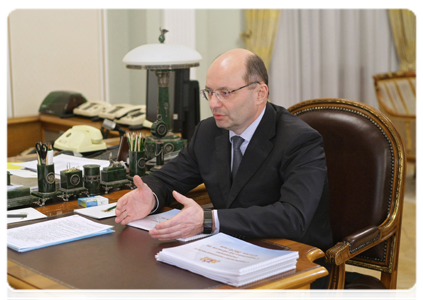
(188, 222)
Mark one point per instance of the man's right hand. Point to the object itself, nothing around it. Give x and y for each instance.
(136, 204)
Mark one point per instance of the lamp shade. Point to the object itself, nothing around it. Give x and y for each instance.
(162, 56)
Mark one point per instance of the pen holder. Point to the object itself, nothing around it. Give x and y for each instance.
(92, 179)
(8, 178)
(137, 161)
(46, 178)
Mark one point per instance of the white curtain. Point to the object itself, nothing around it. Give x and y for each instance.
(182, 30)
(330, 54)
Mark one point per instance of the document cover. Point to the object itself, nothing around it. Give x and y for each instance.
(229, 260)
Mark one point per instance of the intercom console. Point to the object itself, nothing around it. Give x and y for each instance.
(91, 108)
(136, 117)
(118, 111)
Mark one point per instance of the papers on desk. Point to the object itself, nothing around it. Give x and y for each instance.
(23, 173)
(229, 260)
(31, 214)
(13, 187)
(53, 232)
(98, 212)
(151, 221)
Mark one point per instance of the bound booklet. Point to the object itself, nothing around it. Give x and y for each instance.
(229, 260)
(53, 232)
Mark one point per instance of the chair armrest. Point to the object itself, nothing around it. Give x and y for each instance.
(352, 244)
(362, 238)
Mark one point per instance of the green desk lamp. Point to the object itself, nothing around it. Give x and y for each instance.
(162, 59)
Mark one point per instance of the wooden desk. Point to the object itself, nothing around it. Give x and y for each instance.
(21, 277)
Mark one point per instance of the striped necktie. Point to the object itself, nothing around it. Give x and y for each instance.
(236, 142)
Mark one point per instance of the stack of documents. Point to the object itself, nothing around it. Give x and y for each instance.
(53, 232)
(229, 260)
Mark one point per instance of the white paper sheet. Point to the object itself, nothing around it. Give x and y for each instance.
(53, 232)
(32, 214)
(13, 187)
(151, 221)
(98, 212)
(23, 173)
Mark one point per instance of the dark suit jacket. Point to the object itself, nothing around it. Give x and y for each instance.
(281, 186)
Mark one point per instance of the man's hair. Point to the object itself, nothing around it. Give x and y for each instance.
(255, 70)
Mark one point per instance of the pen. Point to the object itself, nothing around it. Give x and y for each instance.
(109, 209)
(17, 215)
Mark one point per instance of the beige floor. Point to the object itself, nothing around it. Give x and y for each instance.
(407, 258)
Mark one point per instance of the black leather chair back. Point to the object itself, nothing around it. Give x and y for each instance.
(365, 169)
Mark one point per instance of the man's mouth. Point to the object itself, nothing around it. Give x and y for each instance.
(218, 116)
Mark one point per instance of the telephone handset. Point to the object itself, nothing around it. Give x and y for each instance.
(92, 108)
(81, 138)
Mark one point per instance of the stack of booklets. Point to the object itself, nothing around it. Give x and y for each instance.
(229, 260)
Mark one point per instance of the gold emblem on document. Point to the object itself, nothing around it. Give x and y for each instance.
(209, 260)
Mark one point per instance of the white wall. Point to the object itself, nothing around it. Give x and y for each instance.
(53, 50)
(126, 29)
(82, 51)
(218, 30)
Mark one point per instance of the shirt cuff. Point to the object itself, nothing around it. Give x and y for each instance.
(157, 204)
(216, 221)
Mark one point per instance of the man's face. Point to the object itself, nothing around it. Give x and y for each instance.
(241, 109)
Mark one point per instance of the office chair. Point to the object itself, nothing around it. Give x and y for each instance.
(366, 173)
(396, 95)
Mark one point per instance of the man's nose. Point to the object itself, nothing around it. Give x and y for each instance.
(214, 101)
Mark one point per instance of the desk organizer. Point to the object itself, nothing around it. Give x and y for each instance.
(71, 183)
(137, 160)
(92, 179)
(20, 197)
(46, 184)
(8, 178)
(114, 177)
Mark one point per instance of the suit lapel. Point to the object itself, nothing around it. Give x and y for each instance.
(256, 153)
(223, 158)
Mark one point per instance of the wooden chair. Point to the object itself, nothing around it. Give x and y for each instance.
(396, 95)
(366, 173)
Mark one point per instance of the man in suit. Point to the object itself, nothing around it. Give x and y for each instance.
(280, 186)
(271, 183)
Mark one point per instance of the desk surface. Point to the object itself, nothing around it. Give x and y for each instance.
(48, 268)
(112, 267)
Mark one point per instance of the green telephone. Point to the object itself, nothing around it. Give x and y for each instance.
(61, 103)
(81, 138)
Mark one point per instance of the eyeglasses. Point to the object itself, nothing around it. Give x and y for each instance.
(221, 94)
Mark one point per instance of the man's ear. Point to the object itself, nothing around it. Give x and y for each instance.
(262, 93)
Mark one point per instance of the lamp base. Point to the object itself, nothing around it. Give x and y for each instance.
(171, 142)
